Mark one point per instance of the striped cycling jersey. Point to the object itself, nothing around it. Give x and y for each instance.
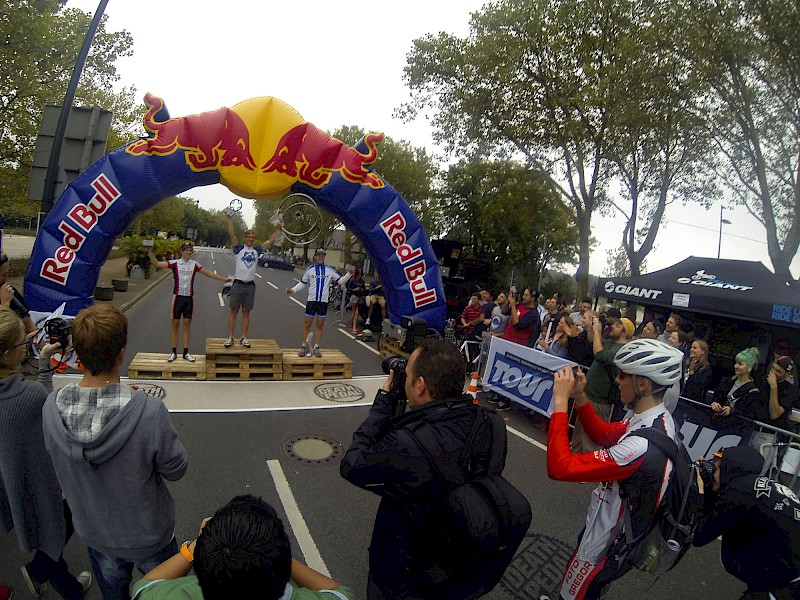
(183, 272)
(318, 278)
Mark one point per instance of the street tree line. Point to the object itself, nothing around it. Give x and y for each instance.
(687, 101)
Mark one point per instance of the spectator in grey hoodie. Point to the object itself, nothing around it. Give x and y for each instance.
(112, 448)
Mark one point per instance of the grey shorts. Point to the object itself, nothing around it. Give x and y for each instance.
(243, 294)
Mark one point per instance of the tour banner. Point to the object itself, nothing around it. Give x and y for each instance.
(522, 374)
(704, 432)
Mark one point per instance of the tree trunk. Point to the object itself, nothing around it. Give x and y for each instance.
(582, 274)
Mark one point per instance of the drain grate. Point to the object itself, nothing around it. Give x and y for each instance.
(313, 449)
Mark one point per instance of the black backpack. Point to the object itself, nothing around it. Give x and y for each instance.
(677, 517)
(482, 517)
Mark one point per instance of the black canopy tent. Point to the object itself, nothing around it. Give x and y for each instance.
(738, 289)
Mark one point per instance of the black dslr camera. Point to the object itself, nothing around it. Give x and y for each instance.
(397, 365)
(706, 469)
(58, 331)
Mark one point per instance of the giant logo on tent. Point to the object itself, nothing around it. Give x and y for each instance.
(258, 148)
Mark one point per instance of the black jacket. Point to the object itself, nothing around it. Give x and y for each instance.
(385, 459)
(759, 521)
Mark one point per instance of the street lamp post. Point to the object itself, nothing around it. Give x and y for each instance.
(721, 223)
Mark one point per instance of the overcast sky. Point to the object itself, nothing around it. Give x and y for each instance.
(342, 68)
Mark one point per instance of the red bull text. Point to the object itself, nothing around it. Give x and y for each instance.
(318, 156)
(83, 217)
(213, 139)
(395, 229)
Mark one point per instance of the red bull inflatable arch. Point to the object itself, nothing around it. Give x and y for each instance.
(261, 147)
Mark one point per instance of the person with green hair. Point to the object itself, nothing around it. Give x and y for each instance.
(739, 394)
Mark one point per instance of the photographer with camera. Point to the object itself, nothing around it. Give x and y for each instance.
(112, 448)
(10, 296)
(758, 519)
(392, 455)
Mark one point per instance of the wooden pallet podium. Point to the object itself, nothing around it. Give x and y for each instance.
(332, 365)
(263, 360)
(149, 365)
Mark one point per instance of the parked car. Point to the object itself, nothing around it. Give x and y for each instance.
(275, 262)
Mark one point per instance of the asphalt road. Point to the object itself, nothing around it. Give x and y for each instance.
(255, 452)
(275, 316)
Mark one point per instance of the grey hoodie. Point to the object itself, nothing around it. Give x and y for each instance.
(115, 483)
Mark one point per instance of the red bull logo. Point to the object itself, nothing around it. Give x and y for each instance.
(211, 140)
(310, 155)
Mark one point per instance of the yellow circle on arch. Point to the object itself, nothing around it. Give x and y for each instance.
(267, 119)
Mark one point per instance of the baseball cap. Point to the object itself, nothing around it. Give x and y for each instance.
(630, 328)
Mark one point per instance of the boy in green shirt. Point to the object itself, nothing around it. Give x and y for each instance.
(241, 552)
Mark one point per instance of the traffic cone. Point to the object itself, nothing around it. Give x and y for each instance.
(472, 390)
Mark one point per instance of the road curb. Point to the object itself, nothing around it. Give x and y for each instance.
(156, 280)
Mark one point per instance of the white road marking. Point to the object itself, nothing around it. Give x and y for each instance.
(296, 521)
(296, 279)
(272, 285)
(259, 276)
(530, 440)
(296, 301)
(221, 301)
(352, 337)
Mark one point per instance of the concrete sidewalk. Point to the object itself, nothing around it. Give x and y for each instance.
(115, 269)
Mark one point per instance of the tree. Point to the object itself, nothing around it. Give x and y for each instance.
(533, 76)
(167, 215)
(658, 143)
(40, 43)
(507, 216)
(751, 54)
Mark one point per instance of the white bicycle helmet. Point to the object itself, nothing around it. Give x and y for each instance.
(652, 359)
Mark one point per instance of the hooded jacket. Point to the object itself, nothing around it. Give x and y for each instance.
(114, 483)
(759, 521)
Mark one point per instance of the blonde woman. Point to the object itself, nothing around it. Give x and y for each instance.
(697, 372)
(30, 491)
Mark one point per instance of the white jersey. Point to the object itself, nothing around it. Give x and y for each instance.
(246, 261)
(318, 278)
(183, 272)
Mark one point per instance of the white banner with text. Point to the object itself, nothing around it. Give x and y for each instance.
(522, 374)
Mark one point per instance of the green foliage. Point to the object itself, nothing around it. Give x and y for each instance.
(750, 53)
(507, 217)
(40, 43)
(167, 215)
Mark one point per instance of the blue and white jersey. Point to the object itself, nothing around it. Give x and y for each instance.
(318, 278)
(246, 260)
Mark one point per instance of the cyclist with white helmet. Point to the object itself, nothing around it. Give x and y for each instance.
(647, 368)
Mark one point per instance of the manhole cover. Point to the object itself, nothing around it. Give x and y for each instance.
(537, 568)
(313, 449)
(339, 392)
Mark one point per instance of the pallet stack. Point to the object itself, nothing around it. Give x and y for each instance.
(149, 365)
(332, 365)
(263, 360)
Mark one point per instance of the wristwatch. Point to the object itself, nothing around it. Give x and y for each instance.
(185, 552)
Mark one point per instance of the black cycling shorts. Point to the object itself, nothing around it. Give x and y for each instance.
(182, 306)
(316, 308)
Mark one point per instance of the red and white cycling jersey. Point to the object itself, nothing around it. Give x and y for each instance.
(183, 272)
(645, 471)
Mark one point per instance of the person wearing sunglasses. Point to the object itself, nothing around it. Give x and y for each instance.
(646, 369)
